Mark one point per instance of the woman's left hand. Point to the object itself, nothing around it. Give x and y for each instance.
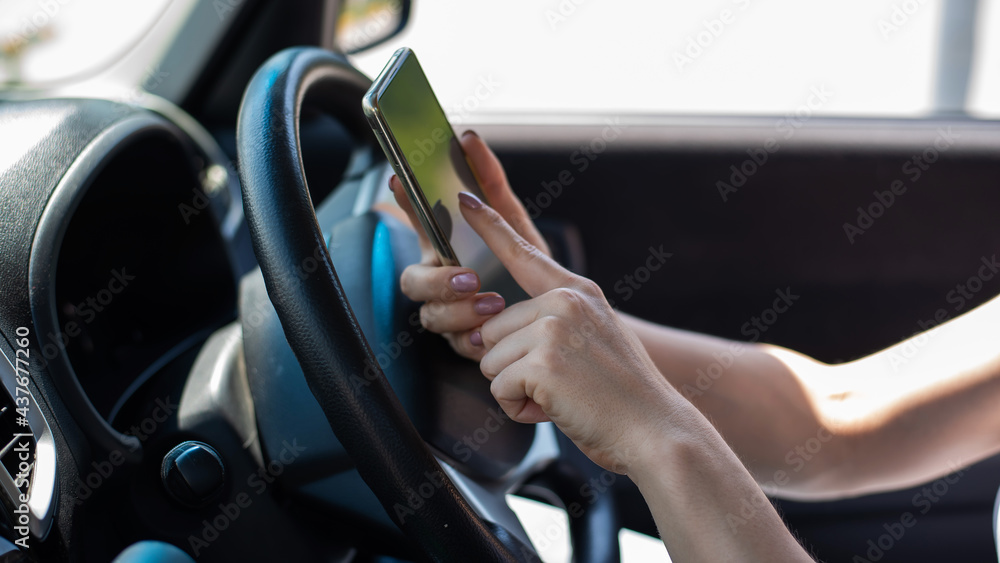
(453, 306)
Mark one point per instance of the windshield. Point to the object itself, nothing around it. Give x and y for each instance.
(45, 43)
(876, 58)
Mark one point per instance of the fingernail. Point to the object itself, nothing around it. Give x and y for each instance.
(490, 305)
(464, 283)
(470, 132)
(476, 338)
(469, 200)
(391, 189)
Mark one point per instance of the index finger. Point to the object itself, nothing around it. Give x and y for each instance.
(496, 188)
(531, 268)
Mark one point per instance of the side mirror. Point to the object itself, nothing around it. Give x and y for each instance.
(362, 24)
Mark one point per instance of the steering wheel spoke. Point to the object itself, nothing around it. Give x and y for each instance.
(489, 497)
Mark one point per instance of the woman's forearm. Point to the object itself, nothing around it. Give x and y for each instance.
(756, 398)
(706, 505)
(905, 415)
(926, 406)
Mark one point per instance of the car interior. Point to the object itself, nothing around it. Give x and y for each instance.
(204, 308)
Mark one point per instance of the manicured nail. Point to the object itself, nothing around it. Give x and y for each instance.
(464, 283)
(489, 305)
(469, 200)
(476, 338)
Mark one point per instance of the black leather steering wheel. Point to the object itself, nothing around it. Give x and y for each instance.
(318, 321)
(464, 519)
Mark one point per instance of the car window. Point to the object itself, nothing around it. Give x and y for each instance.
(50, 42)
(852, 57)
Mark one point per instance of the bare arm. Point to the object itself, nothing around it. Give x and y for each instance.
(705, 504)
(902, 416)
(564, 356)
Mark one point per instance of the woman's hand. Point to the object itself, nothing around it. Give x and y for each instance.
(453, 306)
(565, 356)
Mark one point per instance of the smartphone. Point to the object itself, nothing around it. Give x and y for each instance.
(426, 154)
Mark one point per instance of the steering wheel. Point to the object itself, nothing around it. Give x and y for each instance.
(461, 513)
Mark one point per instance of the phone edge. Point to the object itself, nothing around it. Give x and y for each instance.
(421, 207)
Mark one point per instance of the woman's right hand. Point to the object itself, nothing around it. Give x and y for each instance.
(453, 306)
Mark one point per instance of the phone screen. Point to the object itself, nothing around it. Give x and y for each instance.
(438, 164)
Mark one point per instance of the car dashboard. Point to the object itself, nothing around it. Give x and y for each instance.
(121, 254)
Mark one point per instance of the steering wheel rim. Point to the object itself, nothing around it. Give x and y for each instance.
(339, 365)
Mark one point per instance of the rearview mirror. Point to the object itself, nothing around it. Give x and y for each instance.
(362, 24)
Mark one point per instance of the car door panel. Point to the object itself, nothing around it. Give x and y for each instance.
(750, 230)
